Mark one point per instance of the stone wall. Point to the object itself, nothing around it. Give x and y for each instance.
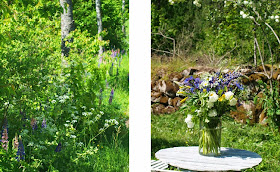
(165, 101)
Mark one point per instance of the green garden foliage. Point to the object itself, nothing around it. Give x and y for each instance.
(55, 112)
(216, 26)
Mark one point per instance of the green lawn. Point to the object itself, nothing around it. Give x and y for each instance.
(170, 131)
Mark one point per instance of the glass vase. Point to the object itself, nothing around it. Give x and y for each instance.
(210, 136)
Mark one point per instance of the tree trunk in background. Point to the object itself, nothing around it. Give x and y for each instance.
(123, 16)
(99, 24)
(67, 25)
(255, 47)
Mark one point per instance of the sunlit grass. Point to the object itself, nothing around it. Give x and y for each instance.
(170, 131)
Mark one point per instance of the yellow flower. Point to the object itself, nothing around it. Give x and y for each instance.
(182, 101)
(222, 97)
(204, 90)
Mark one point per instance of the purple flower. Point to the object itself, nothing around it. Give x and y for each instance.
(100, 61)
(33, 124)
(4, 140)
(100, 96)
(20, 152)
(111, 96)
(44, 123)
(15, 142)
(58, 147)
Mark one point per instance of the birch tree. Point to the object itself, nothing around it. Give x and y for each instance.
(123, 16)
(99, 23)
(67, 25)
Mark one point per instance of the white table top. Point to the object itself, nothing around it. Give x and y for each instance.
(189, 158)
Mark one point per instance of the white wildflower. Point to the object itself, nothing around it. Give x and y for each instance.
(244, 16)
(245, 2)
(73, 136)
(277, 20)
(229, 95)
(207, 120)
(62, 100)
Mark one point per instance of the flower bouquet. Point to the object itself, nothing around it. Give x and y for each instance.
(207, 99)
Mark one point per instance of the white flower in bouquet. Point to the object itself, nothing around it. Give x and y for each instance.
(210, 105)
(233, 102)
(190, 125)
(228, 95)
(189, 118)
(213, 97)
(204, 84)
(197, 111)
(212, 113)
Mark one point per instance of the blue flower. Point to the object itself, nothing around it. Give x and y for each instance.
(20, 152)
(58, 147)
(111, 96)
(44, 123)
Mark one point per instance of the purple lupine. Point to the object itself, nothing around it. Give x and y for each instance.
(58, 147)
(23, 118)
(111, 69)
(100, 61)
(20, 152)
(100, 96)
(33, 124)
(44, 123)
(111, 96)
(15, 142)
(107, 84)
(4, 140)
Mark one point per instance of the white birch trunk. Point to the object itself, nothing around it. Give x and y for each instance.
(99, 24)
(67, 25)
(123, 16)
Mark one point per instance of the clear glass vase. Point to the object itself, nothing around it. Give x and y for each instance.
(210, 136)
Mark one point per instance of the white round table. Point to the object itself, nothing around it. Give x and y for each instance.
(189, 158)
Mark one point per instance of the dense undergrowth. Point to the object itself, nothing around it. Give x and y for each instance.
(60, 114)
